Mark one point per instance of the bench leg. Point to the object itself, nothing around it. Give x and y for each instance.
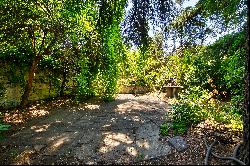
(175, 92)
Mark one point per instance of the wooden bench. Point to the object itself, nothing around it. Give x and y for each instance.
(172, 91)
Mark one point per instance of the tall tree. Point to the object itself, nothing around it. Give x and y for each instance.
(36, 23)
(244, 150)
(91, 28)
(144, 13)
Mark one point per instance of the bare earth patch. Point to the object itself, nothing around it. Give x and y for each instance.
(124, 131)
(196, 152)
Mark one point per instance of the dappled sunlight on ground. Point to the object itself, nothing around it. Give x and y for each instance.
(120, 131)
(135, 105)
(132, 151)
(117, 141)
(40, 128)
(24, 157)
(92, 106)
(136, 118)
(13, 118)
(139, 107)
(36, 110)
(19, 116)
(124, 106)
(143, 144)
(57, 143)
(37, 113)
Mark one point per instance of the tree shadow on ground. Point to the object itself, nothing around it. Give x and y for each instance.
(122, 131)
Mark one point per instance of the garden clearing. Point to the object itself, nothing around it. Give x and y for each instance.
(124, 131)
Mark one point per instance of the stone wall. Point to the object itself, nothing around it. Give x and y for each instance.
(42, 88)
(132, 89)
(10, 93)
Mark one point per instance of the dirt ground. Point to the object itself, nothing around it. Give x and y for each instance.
(124, 131)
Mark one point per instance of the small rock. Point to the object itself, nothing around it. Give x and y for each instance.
(178, 143)
(38, 147)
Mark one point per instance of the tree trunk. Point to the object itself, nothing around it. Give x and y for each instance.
(244, 149)
(63, 82)
(28, 86)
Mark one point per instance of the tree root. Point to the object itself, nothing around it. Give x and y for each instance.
(209, 150)
(235, 152)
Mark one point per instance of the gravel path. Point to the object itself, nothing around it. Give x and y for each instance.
(120, 132)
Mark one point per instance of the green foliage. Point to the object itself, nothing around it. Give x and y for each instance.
(221, 8)
(150, 68)
(179, 128)
(84, 79)
(78, 43)
(218, 68)
(164, 129)
(100, 74)
(208, 71)
(110, 67)
(212, 77)
(185, 114)
(4, 127)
